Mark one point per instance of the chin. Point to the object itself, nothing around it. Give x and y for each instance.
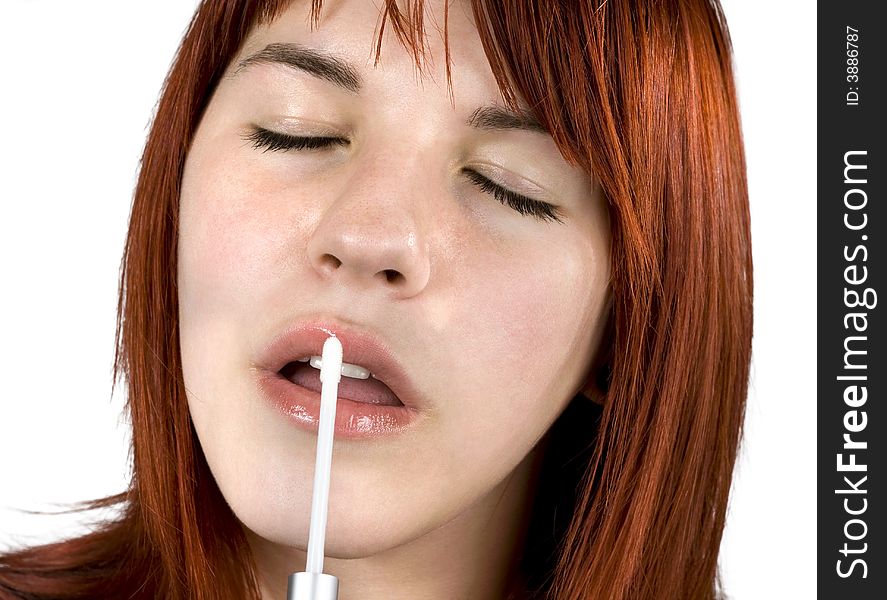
(359, 534)
(353, 535)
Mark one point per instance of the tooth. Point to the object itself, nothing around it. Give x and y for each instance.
(348, 369)
(355, 371)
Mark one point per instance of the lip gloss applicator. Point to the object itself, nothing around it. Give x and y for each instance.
(313, 583)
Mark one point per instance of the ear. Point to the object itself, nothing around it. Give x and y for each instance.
(595, 387)
(597, 383)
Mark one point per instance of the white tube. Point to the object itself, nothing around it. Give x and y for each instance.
(330, 374)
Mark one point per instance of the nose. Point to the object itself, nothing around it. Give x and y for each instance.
(370, 235)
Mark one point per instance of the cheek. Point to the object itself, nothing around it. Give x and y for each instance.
(528, 324)
(538, 300)
(226, 247)
(537, 311)
(523, 337)
(230, 237)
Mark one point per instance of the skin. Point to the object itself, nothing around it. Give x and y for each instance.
(495, 315)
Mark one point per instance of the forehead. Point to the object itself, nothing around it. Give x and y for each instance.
(349, 29)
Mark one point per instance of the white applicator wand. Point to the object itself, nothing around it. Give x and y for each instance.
(314, 584)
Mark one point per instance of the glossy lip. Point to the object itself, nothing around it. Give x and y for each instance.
(353, 419)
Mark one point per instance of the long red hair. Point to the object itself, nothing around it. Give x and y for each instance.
(641, 94)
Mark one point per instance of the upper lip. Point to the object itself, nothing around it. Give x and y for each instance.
(306, 338)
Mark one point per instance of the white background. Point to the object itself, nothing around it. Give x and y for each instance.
(80, 80)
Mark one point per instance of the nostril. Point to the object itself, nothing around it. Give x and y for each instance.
(329, 258)
(391, 275)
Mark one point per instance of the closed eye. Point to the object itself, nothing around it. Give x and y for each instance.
(522, 204)
(273, 141)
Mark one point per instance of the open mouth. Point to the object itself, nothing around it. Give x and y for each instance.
(369, 390)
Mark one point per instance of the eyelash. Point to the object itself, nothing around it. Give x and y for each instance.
(272, 141)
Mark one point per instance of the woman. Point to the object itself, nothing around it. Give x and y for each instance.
(529, 221)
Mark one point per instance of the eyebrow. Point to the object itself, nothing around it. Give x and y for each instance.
(329, 67)
(497, 117)
(318, 63)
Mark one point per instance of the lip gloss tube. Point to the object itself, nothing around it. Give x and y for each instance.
(313, 583)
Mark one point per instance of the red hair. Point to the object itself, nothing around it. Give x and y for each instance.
(641, 94)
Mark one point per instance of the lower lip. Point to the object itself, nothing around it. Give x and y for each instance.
(354, 420)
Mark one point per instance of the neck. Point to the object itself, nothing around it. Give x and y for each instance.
(474, 555)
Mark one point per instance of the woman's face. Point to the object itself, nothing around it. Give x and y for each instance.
(493, 314)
